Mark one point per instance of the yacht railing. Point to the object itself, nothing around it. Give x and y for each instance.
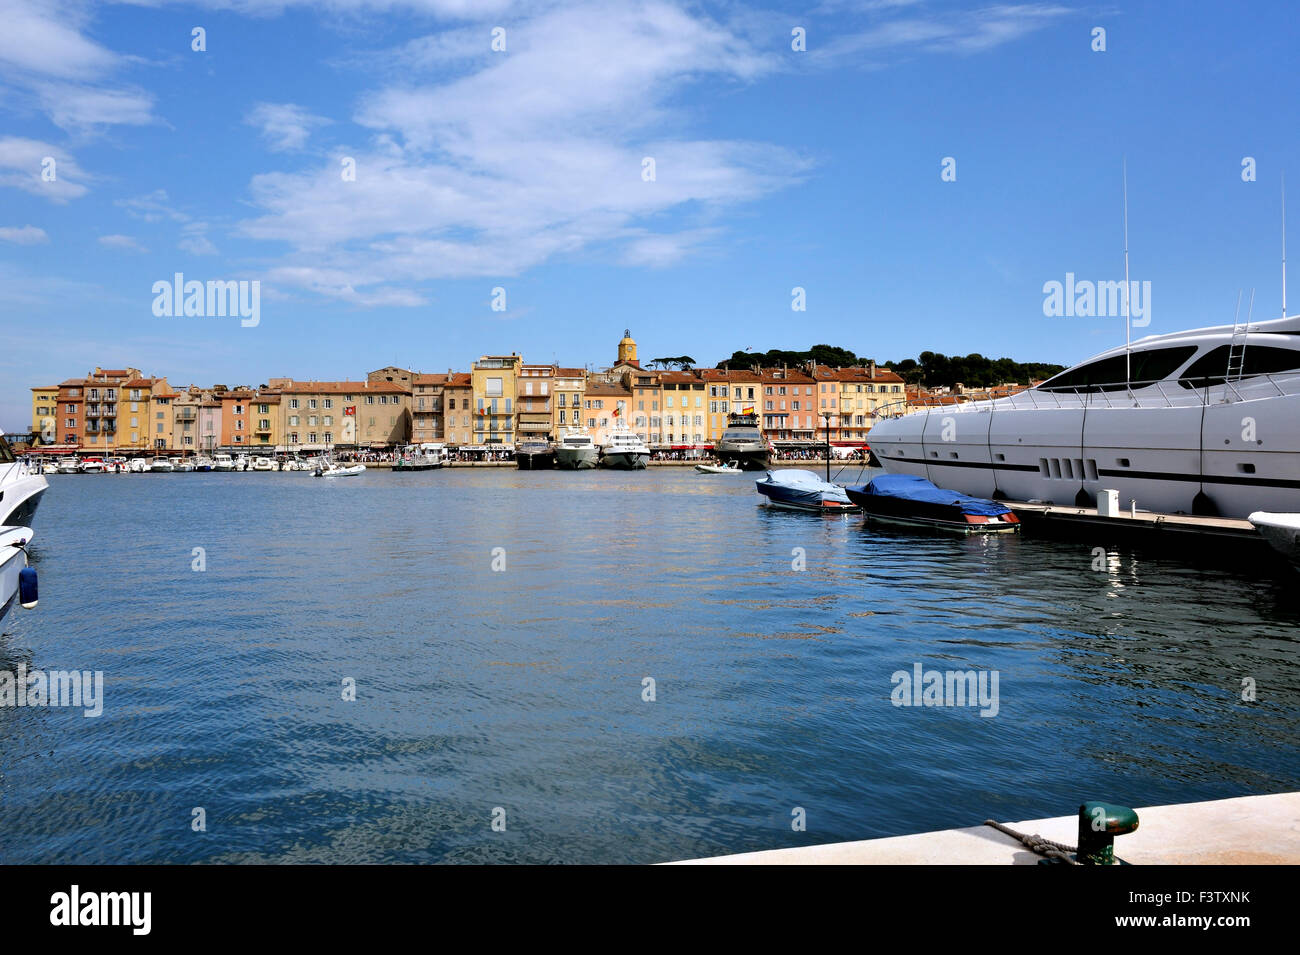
(1168, 393)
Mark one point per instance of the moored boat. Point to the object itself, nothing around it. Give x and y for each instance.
(534, 455)
(798, 490)
(21, 487)
(263, 463)
(421, 457)
(339, 470)
(743, 443)
(624, 451)
(1282, 531)
(92, 465)
(161, 465)
(576, 451)
(223, 462)
(14, 583)
(909, 499)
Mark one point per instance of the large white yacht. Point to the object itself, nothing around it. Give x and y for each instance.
(21, 487)
(624, 450)
(576, 451)
(1197, 422)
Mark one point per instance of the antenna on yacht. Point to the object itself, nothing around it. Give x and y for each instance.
(1128, 327)
(1284, 245)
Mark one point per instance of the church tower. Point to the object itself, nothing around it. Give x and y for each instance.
(627, 349)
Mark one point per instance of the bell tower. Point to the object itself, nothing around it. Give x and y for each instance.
(627, 349)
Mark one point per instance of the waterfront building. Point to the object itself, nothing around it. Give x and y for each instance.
(209, 428)
(535, 410)
(162, 417)
(788, 410)
(185, 419)
(645, 402)
(88, 411)
(605, 406)
(459, 396)
(45, 413)
(684, 410)
(265, 420)
(141, 425)
(316, 416)
(568, 390)
(495, 383)
(429, 413)
(852, 397)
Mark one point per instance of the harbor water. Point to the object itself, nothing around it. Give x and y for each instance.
(600, 667)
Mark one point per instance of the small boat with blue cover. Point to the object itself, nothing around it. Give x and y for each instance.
(910, 499)
(798, 490)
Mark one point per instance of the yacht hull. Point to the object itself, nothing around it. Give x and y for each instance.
(21, 498)
(11, 562)
(748, 457)
(626, 460)
(576, 459)
(534, 460)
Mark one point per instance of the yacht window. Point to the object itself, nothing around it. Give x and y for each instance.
(1212, 367)
(1108, 374)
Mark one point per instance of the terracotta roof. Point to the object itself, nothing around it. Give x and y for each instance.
(429, 379)
(679, 377)
(792, 375)
(139, 383)
(344, 387)
(598, 387)
(461, 379)
(570, 372)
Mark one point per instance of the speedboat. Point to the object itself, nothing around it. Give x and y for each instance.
(161, 465)
(223, 462)
(261, 463)
(241, 463)
(138, 465)
(92, 465)
(908, 499)
(21, 488)
(69, 465)
(203, 463)
(576, 451)
(1205, 421)
(182, 464)
(799, 490)
(534, 455)
(743, 443)
(625, 451)
(1280, 530)
(17, 580)
(731, 467)
(339, 470)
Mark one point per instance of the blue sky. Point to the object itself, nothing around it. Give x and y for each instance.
(522, 169)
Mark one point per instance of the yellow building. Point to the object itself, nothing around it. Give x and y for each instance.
(140, 425)
(627, 349)
(495, 382)
(569, 385)
(45, 414)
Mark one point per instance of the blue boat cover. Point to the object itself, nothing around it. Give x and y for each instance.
(909, 487)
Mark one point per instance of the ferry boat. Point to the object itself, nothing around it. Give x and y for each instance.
(575, 451)
(534, 455)
(743, 443)
(21, 487)
(1205, 421)
(624, 451)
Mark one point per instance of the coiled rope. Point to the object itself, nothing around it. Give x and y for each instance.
(1036, 843)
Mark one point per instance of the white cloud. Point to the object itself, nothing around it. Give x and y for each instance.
(23, 235)
(194, 239)
(23, 165)
(529, 155)
(284, 126)
(46, 56)
(124, 242)
(152, 207)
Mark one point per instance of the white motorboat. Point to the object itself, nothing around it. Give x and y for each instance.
(625, 451)
(161, 465)
(14, 583)
(202, 463)
(182, 464)
(21, 488)
(576, 451)
(261, 463)
(223, 462)
(1280, 530)
(743, 443)
(1197, 422)
(92, 465)
(241, 462)
(339, 470)
(138, 465)
(69, 465)
(731, 467)
(421, 457)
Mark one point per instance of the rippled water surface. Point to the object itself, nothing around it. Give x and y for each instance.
(522, 689)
